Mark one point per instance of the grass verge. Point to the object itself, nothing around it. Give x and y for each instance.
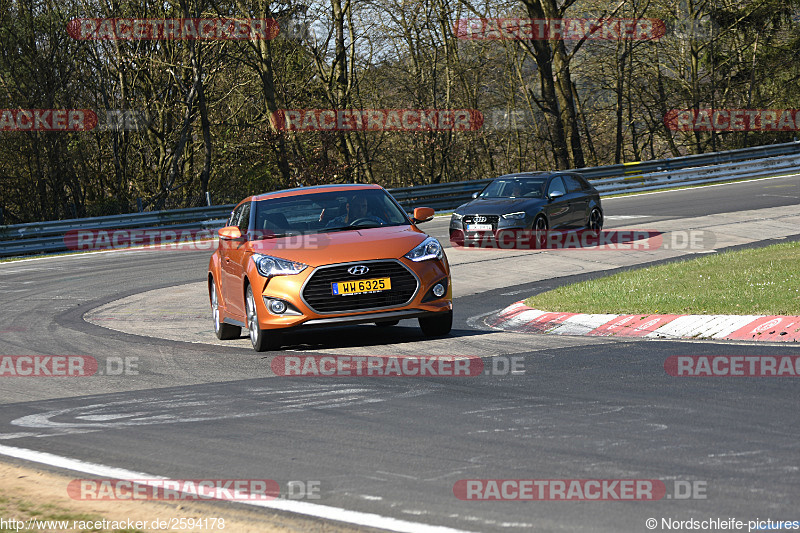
(28, 492)
(48, 517)
(762, 281)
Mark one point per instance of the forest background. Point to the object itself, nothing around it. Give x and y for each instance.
(181, 118)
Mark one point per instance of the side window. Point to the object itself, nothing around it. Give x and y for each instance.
(584, 184)
(556, 184)
(573, 184)
(244, 218)
(234, 218)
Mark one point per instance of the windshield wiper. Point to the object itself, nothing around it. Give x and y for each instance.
(370, 224)
(328, 230)
(267, 235)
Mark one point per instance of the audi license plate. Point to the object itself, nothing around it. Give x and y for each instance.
(479, 227)
(361, 286)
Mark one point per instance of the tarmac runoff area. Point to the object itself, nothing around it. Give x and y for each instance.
(182, 312)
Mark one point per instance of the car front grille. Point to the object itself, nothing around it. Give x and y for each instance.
(490, 219)
(318, 296)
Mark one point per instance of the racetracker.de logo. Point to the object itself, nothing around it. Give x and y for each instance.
(213, 29)
(733, 119)
(559, 489)
(183, 239)
(378, 119)
(517, 29)
(174, 489)
(519, 239)
(379, 366)
(47, 366)
(606, 240)
(47, 119)
(115, 239)
(733, 366)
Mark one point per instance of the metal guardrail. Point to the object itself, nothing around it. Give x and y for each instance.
(131, 220)
(56, 242)
(689, 161)
(700, 175)
(440, 196)
(761, 161)
(451, 195)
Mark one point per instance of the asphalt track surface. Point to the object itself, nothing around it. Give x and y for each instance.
(584, 408)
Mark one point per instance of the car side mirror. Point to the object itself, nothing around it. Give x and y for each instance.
(475, 195)
(555, 194)
(422, 214)
(230, 233)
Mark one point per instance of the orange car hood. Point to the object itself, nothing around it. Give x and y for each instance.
(343, 246)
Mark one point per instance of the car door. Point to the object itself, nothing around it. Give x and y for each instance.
(233, 258)
(578, 201)
(557, 209)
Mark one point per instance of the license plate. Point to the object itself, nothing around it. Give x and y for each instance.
(361, 286)
(479, 227)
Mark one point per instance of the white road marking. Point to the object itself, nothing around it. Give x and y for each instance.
(514, 293)
(292, 506)
(10, 436)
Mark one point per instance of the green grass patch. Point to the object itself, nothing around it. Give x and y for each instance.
(762, 281)
(22, 509)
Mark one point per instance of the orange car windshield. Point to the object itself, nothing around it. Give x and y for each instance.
(325, 212)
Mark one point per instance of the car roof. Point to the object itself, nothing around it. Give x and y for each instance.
(523, 175)
(342, 187)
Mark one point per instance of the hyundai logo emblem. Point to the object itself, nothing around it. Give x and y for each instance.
(358, 270)
(480, 218)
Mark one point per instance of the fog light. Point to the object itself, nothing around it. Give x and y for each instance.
(438, 290)
(278, 307)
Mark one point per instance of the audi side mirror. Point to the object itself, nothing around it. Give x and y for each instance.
(555, 194)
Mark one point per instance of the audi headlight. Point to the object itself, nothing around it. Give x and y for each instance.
(269, 266)
(515, 216)
(455, 220)
(428, 249)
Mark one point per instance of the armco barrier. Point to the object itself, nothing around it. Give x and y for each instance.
(694, 176)
(39, 237)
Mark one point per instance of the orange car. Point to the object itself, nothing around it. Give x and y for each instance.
(326, 256)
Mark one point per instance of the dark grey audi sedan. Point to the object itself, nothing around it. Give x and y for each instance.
(531, 201)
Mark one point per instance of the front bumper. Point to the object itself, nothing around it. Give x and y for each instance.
(290, 290)
(458, 233)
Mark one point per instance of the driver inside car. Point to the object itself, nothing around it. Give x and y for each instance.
(357, 209)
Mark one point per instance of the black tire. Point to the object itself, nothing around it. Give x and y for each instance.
(387, 323)
(595, 222)
(223, 331)
(438, 325)
(261, 339)
(539, 229)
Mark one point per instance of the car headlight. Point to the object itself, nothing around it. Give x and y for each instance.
(515, 216)
(427, 249)
(269, 266)
(455, 220)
